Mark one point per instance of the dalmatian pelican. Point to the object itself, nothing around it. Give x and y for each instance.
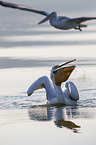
(55, 94)
(59, 22)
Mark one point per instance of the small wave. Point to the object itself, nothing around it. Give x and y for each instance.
(87, 103)
(22, 102)
(88, 89)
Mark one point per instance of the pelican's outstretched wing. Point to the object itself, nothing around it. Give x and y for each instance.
(82, 19)
(22, 7)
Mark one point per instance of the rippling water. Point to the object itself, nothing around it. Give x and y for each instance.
(28, 51)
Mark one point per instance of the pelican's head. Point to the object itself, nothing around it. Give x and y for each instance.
(49, 17)
(62, 72)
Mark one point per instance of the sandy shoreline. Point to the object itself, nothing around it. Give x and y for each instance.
(17, 128)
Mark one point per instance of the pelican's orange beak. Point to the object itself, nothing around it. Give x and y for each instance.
(68, 124)
(61, 73)
(46, 19)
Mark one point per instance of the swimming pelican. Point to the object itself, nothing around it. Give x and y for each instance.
(54, 93)
(59, 22)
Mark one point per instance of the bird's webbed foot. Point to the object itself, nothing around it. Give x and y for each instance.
(78, 28)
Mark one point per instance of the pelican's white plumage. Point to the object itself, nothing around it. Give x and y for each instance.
(59, 22)
(55, 94)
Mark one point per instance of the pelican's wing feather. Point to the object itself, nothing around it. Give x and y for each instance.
(40, 87)
(63, 74)
(22, 7)
(81, 19)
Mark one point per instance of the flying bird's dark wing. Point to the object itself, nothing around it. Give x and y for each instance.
(82, 19)
(22, 7)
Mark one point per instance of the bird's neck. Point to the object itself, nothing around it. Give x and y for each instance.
(58, 91)
(54, 22)
(53, 19)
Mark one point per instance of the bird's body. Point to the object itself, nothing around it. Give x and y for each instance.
(54, 92)
(59, 22)
(62, 23)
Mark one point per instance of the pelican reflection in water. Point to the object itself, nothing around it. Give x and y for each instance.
(54, 93)
(59, 114)
(59, 22)
(63, 116)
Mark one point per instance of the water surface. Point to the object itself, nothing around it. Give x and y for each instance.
(28, 51)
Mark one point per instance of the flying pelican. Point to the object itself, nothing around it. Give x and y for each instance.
(54, 93)
(59, 22)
